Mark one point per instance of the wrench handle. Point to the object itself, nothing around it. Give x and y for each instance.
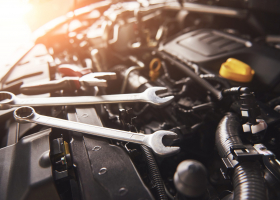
(88, 129)
(77, 100)
(154, 141)
(50, 86)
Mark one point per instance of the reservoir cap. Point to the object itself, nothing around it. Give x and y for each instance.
(236, 70)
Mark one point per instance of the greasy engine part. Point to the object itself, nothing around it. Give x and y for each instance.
(224, 127)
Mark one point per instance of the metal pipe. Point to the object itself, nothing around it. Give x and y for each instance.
(140, 65)
(272, 38)
(207, 9)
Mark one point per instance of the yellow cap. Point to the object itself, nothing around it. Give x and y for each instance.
(236, 70)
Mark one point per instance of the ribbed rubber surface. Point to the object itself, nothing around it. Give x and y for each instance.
(154, 173)
(248, 182)
(212, 77)
(227, 134)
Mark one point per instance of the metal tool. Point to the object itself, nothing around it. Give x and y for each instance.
(91, 79)
(9, 100)
(72, 70)
(154, 141)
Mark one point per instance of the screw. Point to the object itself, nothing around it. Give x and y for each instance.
(123, 191)
(103, 170)
(96, 148)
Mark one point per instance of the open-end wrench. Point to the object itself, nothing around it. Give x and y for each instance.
(9, 100)
(70, 83)
(154, 141)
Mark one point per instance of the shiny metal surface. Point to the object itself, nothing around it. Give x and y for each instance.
(154, 141)
(9, 100)
(209, 9)
(140, 65)
(97, 78)
(90, 79)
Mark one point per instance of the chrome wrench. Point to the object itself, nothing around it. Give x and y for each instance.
(9, 100)
(154, 141)
(70, 83)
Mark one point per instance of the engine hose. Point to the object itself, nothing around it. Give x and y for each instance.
(213, 77)
(203, 83)
(274, 102)
(248, 182)
(154, 173)
(227, 134)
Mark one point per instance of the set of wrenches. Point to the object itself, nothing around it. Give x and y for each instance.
(25, 114)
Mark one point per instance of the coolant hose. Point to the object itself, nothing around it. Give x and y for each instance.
(248, 182)
(154, 172)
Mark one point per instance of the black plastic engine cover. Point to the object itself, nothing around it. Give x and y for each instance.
(104, 171)
(26, 172)
(210, 48)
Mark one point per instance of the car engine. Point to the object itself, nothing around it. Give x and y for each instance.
(145, 100)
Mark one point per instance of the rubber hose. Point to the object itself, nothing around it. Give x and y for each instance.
(213, 77)
(154, 172)
(247, 178)
(203, 83)
(274, 102)
(227, 134)
(248, 181)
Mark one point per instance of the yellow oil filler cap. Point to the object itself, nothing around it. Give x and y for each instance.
(236, 70)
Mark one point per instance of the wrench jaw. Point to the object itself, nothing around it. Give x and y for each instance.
(97, 79)
(105, 75)
(154, 141)
(151, 97)
(24, 114)
(6, 100)
(93, 82)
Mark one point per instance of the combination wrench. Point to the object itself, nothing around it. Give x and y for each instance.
(70, 83)
(9, 100)
(154, 141)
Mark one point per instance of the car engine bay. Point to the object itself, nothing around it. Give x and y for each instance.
(147, 100)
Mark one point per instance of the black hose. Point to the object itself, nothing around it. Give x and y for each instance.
(227, 134)
(216, 93)
(274, 102)
(213, 77)
(273, 166)
(248, 181)
(154, 172)
(247, 178)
